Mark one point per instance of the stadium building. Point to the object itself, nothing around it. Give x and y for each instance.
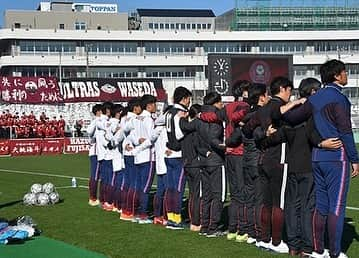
(90, 40)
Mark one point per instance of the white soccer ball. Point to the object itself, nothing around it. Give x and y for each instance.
(30, 199)
(36, 188)
(54, 197)
(42, 199)
(48, 188)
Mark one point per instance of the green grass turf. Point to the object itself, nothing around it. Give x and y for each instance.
(76, 223)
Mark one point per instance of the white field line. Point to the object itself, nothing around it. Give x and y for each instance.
(46, 174)
(40, 174)
(70, 186)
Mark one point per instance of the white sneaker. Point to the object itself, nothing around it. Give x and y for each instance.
(263, 245)
(325, 254)
(251, 240)
(343, 255)
(282, 248)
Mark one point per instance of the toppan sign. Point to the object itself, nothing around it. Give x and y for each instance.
(103, 8)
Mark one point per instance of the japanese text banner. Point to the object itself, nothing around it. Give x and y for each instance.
(30, 90)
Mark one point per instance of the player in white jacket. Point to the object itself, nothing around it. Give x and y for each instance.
(94, 165)
(144, 157)
(159, 200)
(128, 189)
(115, 136)
(103, 157)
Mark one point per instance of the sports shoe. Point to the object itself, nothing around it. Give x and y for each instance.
(263, 245)
(107, 207)
(242, 238)
(203, 232)
(195, 228)
(342, 255)
(94, 202)
(135, 220)
(174, 225)
(282, 248)
(126, 217)
(325, 254)
(251, 240)
(159, 221)
(231, 236)
(215, 234)
(114, 209)
(145, 221)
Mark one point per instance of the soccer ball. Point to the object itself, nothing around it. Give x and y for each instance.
(48, 188)
(36, 188)
(29, 199)
(42, 199)
(54, 197)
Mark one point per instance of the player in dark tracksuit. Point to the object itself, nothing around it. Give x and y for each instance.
(273, 171)
(252, 195)
(190, 156)
(330, 109)
(213, 177)
(211, 158)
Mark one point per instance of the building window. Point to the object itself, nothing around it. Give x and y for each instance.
(167, 26)
(188, 25)
(204, 26)
(156, 26)
(193, 26)
(172, 26)
(150, 25)
(177, 26)
(161, 26)
(17, 25)
(183, 26)
(209, 26)
(80, 25)
(199, 26)
(61, 26)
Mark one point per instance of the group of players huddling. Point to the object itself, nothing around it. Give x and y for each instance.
(286, 163)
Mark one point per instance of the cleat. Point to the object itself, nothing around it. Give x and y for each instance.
(242, 238)
(94, 202)
(232, 236)
(263, 245)
(126, 217)
(251, 240)
(195, 228)
(282, 248)
(174, 225)
(215, 234)
(159, 221)
(203, 232)
(145, 221)
(107, 207)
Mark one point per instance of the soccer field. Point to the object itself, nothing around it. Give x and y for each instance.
(73, 221)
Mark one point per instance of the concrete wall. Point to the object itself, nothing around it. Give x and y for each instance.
(52, 20)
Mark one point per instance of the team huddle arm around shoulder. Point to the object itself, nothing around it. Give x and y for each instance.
(343, 124)
(298, 115)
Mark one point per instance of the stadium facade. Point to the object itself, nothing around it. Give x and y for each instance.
(174, 50)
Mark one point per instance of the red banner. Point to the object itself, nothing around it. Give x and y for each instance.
(107, 89)
(52, 146)
(76, 145)
(30, 90)
(21, 147)
(4, 147)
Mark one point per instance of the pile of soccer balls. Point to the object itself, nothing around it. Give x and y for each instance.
(41, 195)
